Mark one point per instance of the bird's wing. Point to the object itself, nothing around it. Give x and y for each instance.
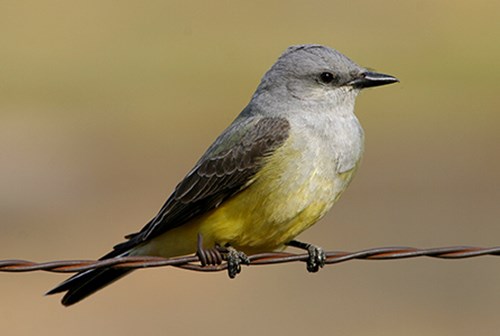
(227, 167)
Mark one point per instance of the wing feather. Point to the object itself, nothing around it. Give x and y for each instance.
(227, 167)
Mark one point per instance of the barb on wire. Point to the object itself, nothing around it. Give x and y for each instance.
(192, 262)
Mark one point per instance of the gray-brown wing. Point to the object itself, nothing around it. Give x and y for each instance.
(227, 167)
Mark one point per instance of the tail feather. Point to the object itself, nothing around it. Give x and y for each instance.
(83, 284)
(86, 283)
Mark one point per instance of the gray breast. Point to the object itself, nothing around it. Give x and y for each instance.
(331, 143)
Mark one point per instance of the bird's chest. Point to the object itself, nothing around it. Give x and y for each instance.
(303, 179)
(317, 164)
(317, 157)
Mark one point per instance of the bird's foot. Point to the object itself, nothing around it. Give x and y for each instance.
(316, 258)
(215, 256)
(234, 259)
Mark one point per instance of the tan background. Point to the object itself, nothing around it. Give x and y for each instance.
(104, 105)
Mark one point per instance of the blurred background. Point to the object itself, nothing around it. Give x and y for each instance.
(105, 105)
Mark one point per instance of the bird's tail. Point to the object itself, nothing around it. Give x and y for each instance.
(86, 283)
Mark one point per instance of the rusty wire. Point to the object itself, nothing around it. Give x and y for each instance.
(192, 262)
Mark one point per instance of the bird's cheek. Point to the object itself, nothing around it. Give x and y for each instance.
(302, 92)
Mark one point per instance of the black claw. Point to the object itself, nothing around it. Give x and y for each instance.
(215, 256)
(234, 260)
(316, 258)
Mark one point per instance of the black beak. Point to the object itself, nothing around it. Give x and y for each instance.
(368, 79)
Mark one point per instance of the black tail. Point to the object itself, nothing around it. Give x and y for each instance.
(83, 284)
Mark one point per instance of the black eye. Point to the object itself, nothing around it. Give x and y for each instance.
(326, 77)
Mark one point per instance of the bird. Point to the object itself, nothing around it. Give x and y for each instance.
(276, 170)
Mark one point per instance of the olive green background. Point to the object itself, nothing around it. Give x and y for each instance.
(105, 105)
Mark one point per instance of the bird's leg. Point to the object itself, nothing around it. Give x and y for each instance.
(317, 256)
(216, 254)
(234, 259)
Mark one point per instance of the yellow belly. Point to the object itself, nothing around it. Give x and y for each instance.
(283, 201)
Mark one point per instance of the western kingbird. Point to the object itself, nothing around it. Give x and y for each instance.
(275, 171)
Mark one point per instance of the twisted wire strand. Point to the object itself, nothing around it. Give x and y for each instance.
(193, 262)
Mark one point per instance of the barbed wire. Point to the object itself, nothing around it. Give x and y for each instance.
(193, 263)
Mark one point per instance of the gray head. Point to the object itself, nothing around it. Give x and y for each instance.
(315, 74)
